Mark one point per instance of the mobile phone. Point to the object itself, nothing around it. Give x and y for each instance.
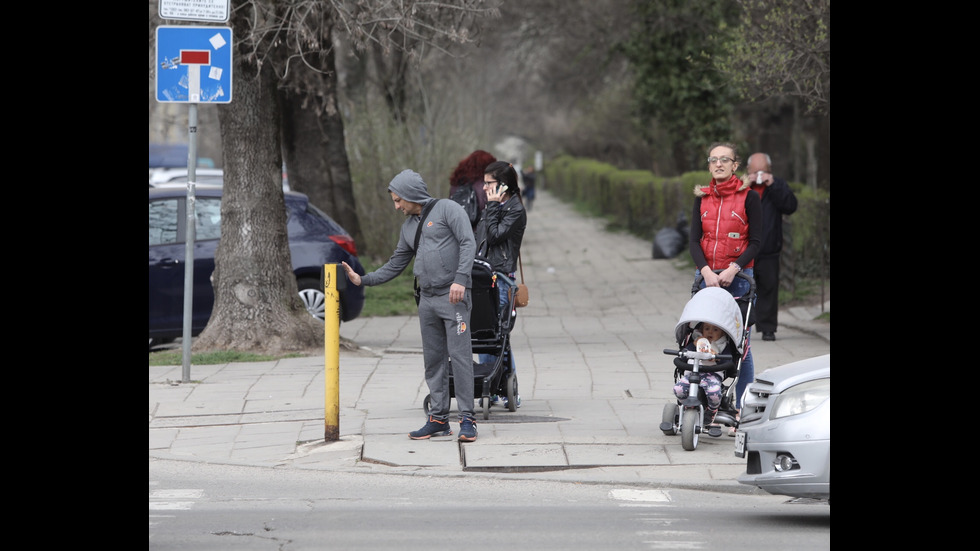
(758, 177)
(501, 187)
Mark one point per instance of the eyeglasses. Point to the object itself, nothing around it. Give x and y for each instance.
(724, 160)
(490, 183)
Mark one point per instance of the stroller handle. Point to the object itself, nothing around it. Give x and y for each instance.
(698, 278)
(693, 354)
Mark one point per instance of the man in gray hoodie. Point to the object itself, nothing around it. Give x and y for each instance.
(444, 267)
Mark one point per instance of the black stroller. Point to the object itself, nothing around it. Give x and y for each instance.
(716, 306)
(490, 328)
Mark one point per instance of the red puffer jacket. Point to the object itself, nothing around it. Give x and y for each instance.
(724, 222)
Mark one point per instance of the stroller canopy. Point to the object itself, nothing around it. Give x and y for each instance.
(717, 307)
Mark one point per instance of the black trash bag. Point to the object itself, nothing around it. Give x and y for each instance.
(669, 242)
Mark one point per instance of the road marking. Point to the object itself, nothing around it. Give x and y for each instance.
(656, 496)
(171, 506)
(176, 494)
(174, 500)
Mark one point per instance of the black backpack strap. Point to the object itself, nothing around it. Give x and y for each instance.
(418, 235)
(425, 214)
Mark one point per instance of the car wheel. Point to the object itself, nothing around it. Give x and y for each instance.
(312, 296)
(159, 342)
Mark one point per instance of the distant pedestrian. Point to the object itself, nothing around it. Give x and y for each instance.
(777, 199)
(444, 267)
(529, 180)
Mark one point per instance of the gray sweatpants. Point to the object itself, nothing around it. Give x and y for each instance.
(446, 334)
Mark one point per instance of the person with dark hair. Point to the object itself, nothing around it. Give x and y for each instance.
(469, 172)
(777, 199)
(726, 235)
(446, 300)
(529, 181)
(499, 235)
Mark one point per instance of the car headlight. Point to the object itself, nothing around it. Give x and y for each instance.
(801, 398)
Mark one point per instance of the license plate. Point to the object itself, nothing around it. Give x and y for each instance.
(740, 438)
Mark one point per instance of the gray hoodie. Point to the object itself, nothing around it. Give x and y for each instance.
(446, 247)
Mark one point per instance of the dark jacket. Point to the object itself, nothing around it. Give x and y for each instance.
(500, 232)
(777, 200)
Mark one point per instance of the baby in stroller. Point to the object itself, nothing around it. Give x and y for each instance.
(711, 339)
(706, 338)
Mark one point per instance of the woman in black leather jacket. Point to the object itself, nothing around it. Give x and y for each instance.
(500, 232)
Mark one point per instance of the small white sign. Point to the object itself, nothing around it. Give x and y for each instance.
(195, 10)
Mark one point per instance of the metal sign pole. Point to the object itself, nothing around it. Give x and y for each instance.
(193, 48)
(190, 239)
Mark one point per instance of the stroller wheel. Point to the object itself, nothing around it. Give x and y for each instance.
(485, 402)
(689, 429)
(426, 403)
(512, 392)
(669, 421)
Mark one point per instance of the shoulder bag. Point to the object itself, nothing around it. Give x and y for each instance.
(521, 298)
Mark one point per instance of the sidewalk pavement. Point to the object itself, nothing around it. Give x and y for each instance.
(591, 370)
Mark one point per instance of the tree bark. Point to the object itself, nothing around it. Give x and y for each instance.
(256, 303)
(313, 140)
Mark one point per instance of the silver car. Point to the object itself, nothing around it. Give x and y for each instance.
(784, 432)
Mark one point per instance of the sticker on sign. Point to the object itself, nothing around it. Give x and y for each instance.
(195, 10)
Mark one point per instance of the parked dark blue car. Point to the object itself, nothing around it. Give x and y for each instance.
(315, 239)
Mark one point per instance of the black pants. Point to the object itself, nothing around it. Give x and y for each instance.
(766, 309)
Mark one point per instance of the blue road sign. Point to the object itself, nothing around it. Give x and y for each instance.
(193, 64)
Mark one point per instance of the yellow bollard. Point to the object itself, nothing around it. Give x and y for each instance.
(333, 281)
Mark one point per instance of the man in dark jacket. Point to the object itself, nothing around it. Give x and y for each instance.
(446, 297)
(777, 200)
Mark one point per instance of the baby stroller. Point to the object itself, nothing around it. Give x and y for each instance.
(490, 327)
(716, 306)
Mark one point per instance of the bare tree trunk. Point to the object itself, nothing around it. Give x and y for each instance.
(391, 70)
(823, 171)
(256, 302)
(313, 140)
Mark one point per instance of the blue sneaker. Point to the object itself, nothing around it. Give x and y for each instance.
(433, 427)
(467, 429)
(495, 400)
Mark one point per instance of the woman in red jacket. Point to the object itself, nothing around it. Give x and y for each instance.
(722, 239)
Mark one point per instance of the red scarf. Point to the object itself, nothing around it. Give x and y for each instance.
(727, 187)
